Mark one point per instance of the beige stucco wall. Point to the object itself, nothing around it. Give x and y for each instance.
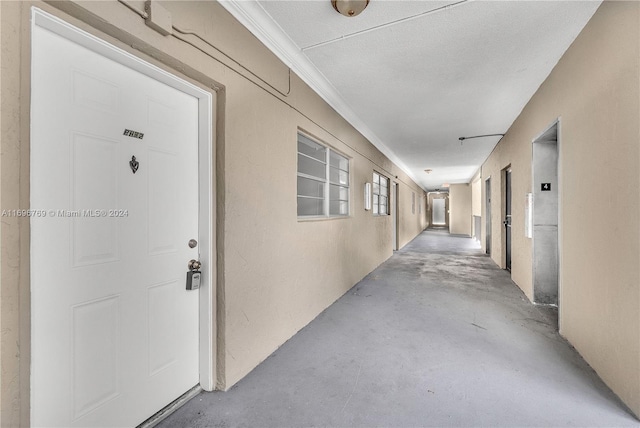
(412, 214)
(476, 204)
(460, 209)
(595, 91)
(275, 273)
(476, 195)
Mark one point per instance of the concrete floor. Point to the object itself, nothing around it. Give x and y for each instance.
(436, 336)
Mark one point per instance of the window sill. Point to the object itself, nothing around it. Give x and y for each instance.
(309, 219)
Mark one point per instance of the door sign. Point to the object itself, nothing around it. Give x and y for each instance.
(133, 134)
(545, 187)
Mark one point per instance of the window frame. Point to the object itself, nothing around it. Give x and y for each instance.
(326, 181)
(376, 205)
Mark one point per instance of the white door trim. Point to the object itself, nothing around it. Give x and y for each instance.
(206, 112)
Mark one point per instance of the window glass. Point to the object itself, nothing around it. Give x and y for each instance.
(310, 206)
(339, 193)
(380, 194)
(309, 187)
(339, 161)
(311, 148)
(323, 180)
(383, 205)
(311, 167)
(339, 208)
(337, 176)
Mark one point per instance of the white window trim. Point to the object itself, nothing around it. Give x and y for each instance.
(327, 181)
(388, 207)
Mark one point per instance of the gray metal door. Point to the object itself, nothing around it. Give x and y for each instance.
(507, 217)
(488, 215)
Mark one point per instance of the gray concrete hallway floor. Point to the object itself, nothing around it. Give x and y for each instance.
(438, 335)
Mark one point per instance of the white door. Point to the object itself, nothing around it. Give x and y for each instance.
(114, 331)
(439, 207)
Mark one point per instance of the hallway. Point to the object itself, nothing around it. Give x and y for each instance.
(437, 335)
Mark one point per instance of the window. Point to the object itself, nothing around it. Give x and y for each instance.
(380, 194)
(323, 180)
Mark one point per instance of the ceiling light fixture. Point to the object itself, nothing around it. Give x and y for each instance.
(349, 8)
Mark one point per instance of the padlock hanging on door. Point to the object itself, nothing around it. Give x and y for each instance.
(194, 275)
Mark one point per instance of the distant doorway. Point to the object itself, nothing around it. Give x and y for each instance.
(545, 217)
(507, 218)
(439, 212)
(394, 214)
(487, 194)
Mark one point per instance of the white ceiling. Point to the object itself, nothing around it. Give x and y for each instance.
(414, 76)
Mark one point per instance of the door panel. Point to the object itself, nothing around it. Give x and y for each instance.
(507, 218)
(114, 332)
(394, 215)
(545, 219)
(488, 215)
(439, 208)
(94, 156)
(95, 343)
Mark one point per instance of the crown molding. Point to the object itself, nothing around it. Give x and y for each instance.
(253, 16)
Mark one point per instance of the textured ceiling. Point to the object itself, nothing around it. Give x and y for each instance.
(414, 76)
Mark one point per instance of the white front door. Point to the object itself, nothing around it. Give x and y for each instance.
(114, 331)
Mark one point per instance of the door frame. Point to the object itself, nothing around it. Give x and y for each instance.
(487, 212)
(558, 123)
(395, 220)
(444, 211)
(206, 174)
(503, 203)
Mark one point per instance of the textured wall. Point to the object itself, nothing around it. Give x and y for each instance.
(412, 213)
(460, 209)
(476, 195)
(275, 273)
(594, 89)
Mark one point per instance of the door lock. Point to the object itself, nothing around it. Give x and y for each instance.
(194, 264)
(194, 275)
